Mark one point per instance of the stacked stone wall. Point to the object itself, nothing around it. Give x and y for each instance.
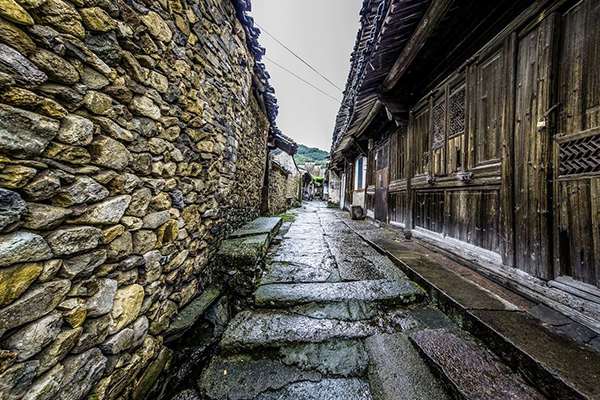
(131, 142)
(293, 190)
(278, 189)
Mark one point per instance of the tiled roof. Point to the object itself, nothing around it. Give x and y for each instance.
(386, 26)
(243, 7)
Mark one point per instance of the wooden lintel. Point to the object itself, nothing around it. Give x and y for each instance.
(429, 22)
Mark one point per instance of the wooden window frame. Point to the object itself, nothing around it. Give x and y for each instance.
(441, 95)
(474, 104)
(421, 141)
(360, 173)
(454, 89)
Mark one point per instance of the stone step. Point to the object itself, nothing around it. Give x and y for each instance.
(388, 291)
(294, 272)
(397, 370)
(249, 244)
(267, 328)
(243, 377)
(558, 366)
(470, 371)
(334, 358)
(327, 389)
(243, 251)
(260, 226)
(191, 313)
(346, 310)
(247, 375)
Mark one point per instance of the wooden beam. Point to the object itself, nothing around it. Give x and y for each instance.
(370, 117)
(393, 105)
(361, 150)
(429, 22)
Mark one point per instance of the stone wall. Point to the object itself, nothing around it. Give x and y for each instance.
(278, 189)
(125, 126)
(293, 190)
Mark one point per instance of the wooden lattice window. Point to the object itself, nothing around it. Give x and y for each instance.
(456, 112)
(438, 123)
(456, 128)
(438, 135)
(580, 156)
(439, 129)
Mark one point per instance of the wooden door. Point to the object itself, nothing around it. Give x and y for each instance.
(577, 146)
(532, 149)
(381, 182)
(349, 185)
(343, 191)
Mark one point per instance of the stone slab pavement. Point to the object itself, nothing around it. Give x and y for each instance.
(332, 319)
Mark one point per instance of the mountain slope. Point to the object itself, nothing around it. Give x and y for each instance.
(311, 155)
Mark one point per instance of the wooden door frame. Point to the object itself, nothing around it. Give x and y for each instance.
(383, 144)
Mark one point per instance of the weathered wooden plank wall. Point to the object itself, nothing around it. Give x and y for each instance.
(577, 146)
(504, 153)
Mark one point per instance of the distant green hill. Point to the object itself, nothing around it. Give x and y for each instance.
(310, 154)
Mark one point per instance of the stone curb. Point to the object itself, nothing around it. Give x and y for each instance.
(543, 377)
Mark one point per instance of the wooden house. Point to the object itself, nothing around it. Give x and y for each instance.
(477, 125)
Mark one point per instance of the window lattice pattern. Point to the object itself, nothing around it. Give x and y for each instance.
(456, 111)
(439, 122)
(580, 156)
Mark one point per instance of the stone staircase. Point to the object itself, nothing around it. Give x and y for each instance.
(316, 336)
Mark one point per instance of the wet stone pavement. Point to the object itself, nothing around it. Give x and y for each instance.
(334, 319)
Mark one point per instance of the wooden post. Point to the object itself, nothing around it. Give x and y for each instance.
(410, 169)
(507, 218)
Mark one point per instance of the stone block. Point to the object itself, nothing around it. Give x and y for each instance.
(259, 226)
(75, 239)
(35, 303)
(15, 381)
(42, 216)
(24, 132)
(13, 11)
(76, 130)
(108, 212)
(187, 316)
(126, 307)
(243, 252)
(23, 246)
(58, 349)
(15, 280)
(81, 372)
(12, 208)
(32, 338)
(101, 302)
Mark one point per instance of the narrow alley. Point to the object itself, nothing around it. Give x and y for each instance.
(336, 319)
(299, 200)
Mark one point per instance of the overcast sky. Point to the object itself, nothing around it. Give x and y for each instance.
(323, 33)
